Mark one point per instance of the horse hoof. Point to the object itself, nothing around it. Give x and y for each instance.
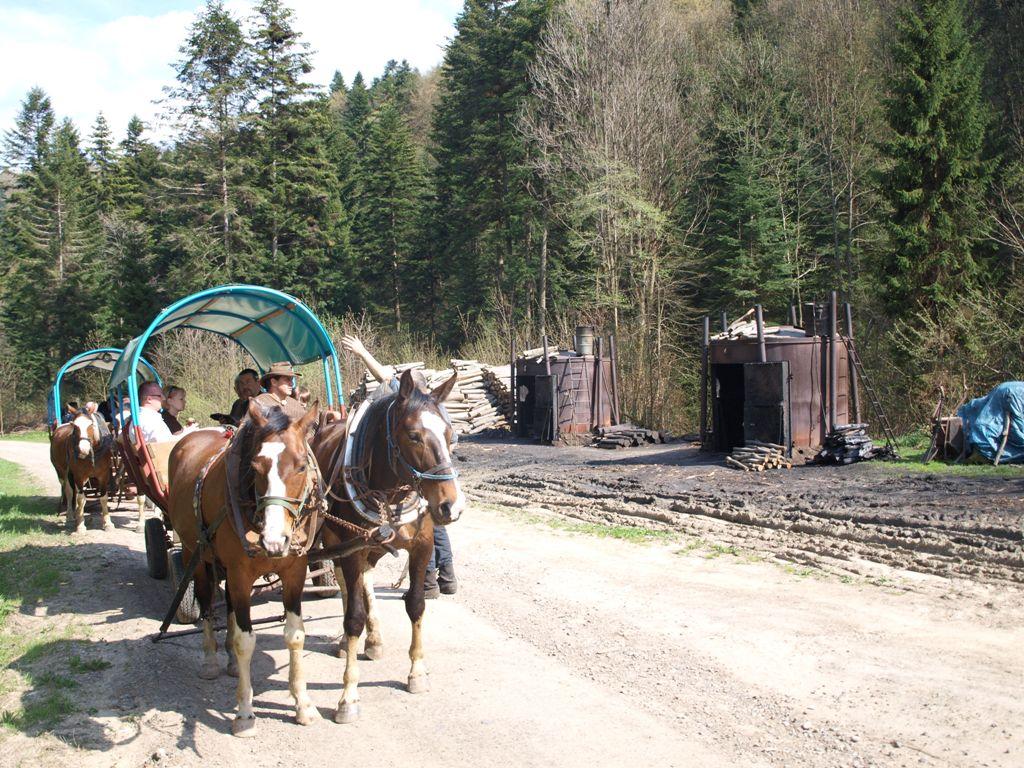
(419, 684)
(108, 526)
(80, 528)
(374, 652)
(244, 727)
(307, 715)
(209, 670)
(347, 712)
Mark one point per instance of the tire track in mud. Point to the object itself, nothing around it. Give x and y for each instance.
(819, 528)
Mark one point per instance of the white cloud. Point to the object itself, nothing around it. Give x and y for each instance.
(120, 66)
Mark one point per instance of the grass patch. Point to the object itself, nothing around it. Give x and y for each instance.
(89, 665)
(912, 448)
(35, 559)
(31, 436)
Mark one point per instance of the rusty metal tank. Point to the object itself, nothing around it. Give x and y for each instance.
(787, 395)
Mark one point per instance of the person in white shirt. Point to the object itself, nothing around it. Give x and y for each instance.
(151, 400)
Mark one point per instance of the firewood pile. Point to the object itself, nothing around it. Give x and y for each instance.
(627, 436)
(756, 456)
(846, 444)
(480, 401)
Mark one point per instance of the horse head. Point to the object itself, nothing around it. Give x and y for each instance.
(87, 436)
(281, 474)
(420, 436)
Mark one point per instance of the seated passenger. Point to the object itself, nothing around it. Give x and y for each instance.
(246, 385)
(174, 403)
(151, 400)
(279, 383)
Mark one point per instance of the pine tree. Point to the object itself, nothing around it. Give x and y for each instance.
(25, 145)
(483, 205)
(357, 113)
(297, 205)
(211, 186)
(54, 270)
(936, 177)
(102, 159)
(390, 213)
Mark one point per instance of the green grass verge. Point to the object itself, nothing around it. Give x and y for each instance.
(36, 559)
(912, 448)
(32, 436)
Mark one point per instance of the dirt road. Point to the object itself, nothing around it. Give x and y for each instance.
(566, 649)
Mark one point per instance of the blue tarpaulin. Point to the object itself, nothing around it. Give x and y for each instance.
(985, 417)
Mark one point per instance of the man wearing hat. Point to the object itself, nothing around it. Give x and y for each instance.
(279, 381)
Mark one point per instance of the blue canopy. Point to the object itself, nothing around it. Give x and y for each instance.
(985, 417)
(270, 325)
(103, 359)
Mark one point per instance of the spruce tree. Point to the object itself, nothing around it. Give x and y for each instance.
(393, 187)
(25, 145)
(211, 185)
(296, 196)
(936, 174)
(483, 205)
(102, 159)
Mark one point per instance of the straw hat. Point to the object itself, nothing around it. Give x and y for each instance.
(278, 369)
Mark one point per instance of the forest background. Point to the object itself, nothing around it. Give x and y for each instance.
(634, 165)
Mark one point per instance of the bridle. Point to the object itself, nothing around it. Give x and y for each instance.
(442, 472)
(378, 509)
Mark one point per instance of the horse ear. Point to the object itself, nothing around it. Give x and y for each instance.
(406, 384)
(256, 413)
(311, 416)
(440, 394)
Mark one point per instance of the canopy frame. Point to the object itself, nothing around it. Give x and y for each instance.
(92, 359)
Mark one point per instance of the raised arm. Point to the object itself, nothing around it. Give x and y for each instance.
(378, 371)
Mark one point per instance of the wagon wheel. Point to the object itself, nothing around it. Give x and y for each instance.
(156, 548)
(325, 579)
(188, 610)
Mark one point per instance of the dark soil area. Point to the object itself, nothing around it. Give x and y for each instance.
(839, 517)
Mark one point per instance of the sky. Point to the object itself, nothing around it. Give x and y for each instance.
(116, 55)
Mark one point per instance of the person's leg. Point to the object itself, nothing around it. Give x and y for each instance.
(447, 583)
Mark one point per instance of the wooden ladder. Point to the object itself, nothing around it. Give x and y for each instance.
(876, 404)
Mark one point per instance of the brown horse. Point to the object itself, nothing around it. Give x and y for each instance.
(402, 446)
(271, 484)
(80, 451)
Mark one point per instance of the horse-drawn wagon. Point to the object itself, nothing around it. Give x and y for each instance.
(81, 450)
(271, 327)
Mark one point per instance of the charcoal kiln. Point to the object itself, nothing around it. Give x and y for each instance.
(562, 395)
(788, 385)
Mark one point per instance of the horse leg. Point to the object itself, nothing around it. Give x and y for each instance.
(229, 642)
(293, 582)
(204, 587)
(339, 577)
(79, 509)
(141, 501)
(355, 621)
(419, 555)
(244, 638)
(105, 511)
(374, 648)
(69, 503)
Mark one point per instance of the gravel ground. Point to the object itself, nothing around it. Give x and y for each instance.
(713, 646)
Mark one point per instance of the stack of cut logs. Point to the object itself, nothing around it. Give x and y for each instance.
(846, 444)
(627, 436)
(756, 456)
(480, 400)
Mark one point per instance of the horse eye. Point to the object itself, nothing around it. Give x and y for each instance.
(302, 468)
(414, 436)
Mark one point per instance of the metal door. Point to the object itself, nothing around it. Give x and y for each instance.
(766, 409)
